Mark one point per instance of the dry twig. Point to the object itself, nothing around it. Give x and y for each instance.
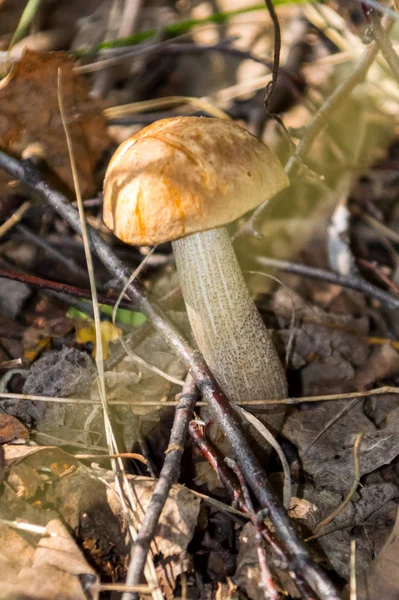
(168, 476)
(301, 561)
(354, 283)
(320, 121)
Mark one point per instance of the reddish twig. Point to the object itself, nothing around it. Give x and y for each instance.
(197, 434)
(168, 476)
(267, 584)
(60, 288)
(380, 274)
(240, 500)
(301, 560)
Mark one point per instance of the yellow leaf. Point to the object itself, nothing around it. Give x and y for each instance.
(85, 333)
(34, 346)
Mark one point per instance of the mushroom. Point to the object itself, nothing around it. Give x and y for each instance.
(182, 180)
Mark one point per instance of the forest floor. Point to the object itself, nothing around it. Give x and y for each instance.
(79, 461)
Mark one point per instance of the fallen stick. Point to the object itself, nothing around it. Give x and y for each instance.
(255, 476)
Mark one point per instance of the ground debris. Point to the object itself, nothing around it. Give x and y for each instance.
(330, 338)
(61, 374)
(382, 363)
(11, 429)
(86, 500)
(381, 579)
(335, 445)
(175, 529)
(52, 571)
(37, 124)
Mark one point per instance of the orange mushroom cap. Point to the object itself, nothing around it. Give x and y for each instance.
(184, 175)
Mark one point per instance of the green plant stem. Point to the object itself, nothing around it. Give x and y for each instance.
(175, 29)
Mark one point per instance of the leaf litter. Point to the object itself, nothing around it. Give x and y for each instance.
(329, 348)
(37, 124)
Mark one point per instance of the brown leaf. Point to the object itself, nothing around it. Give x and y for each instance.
(60, 550)
(226, 591)
(327, 345)
(54, 570)
(13, 454)
(381, 580)
(16, 552)
(11, 429)
(175, 529)
(325, 442)
(24, 480)
(383, 362)
(30, 114)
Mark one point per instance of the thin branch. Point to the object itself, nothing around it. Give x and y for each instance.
(53, 252)
(380, 274)
(354, 283)
(60, 288)
(267, 583)
(168, 476)
(230, 482)
(384, 43)
(255, 476)
(321, 118)
(320, 121)
(240, 500)
(385, 10)
(15, 218)
(276, 53)
(173, 47)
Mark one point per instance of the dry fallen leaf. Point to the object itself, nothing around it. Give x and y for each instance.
(382, 363)
(37, 338)
(11, 429)
(175, 529)
(226, 591)
(318, 431)
(16, 552)
(37, 122)
(25, 481)
(55, 571)
(381, 580)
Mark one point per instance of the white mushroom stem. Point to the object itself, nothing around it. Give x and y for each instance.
(227, 327)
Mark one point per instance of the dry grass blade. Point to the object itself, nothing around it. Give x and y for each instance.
(276, 446)
(26, 19)
(122, 484)
(332, 421)
(29, 527)
(128, 351)
(337, 511)
(132, 455)
(137, 107)
(381, 228)
(255, 403)
(15, 218)
(352, 582)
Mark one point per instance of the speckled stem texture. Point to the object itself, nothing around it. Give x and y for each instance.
(227, 327)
